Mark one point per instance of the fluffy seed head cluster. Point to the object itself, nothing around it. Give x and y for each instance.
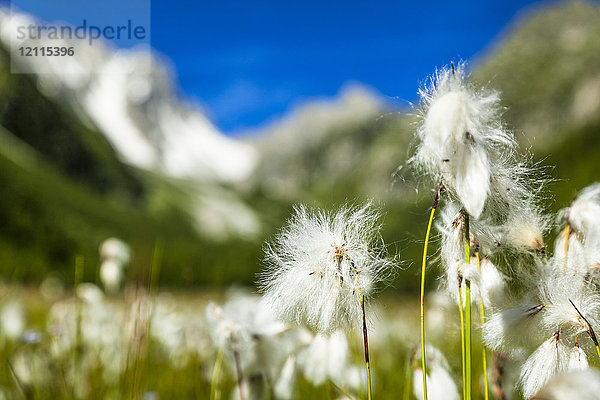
(572, 305)
(563, 309)
(543, 364)
(561, 352)
(581, 222)
(459, 135)
(266, 348)
(462, 142)
(320, 262)
(584, 212)
(487, 282)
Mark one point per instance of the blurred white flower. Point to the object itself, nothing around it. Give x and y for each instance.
(103, 328)
(111, 275)
(114, 257)
(440, 385)
(328, 357)
(31, 368)
(580, 385)
(12, 320)
(250, 336)
(116, 249)
(284, 386)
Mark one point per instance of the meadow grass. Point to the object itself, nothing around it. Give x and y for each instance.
(392, 342)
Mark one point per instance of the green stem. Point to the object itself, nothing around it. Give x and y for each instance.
(238, 370)
(155, 267)
(467, 311)
(341, 390)
(366, 342)
(483, 352)
(423, 265)
(17, 380)
(408, 369)
(462, 338)
(79, 265)
(468, 337)
(566, 249)
(214, 383)
(144, 351)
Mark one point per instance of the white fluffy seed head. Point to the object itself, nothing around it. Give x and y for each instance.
(459, 131)
(524, 231)
(584, 213)
(573, 260)
(440, 385)
(513, 326)
(225, 331)
(580, 385)
(546, 361)
(492, 287)
(12, 320)
(328, 358)
(284, 386)
(116, 249)
(111, 275)
(582, 221)
(516, 186)
(487, 283)
(570, 303)
(457, 274)
(452, 228)
(453, 251)
(245, 325)
(577, 359)
(320, 262)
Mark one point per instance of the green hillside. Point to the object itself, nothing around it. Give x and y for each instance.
(64, 190)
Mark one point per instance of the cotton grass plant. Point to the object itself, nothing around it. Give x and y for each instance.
(561, 311)
(323, 266)
(492, 234)
(462, 143)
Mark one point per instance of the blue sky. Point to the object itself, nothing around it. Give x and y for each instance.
(247, 62)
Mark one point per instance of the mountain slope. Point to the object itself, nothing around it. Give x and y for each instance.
(64, 189)
(129, 96)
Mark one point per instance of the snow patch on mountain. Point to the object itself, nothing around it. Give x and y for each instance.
(129, 96)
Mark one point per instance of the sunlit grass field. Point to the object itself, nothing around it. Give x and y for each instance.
(116, 358)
